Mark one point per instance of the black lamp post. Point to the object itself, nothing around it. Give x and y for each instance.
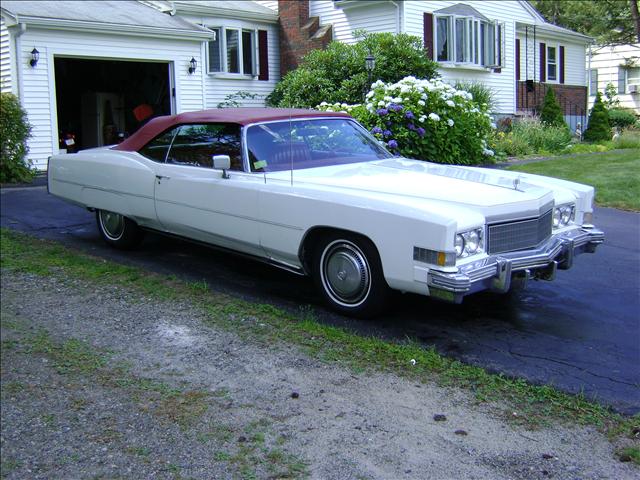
(35, 56)
(369, 65)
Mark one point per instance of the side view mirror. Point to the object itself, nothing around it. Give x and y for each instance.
(222, 162)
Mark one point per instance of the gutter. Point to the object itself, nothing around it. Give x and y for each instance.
(117, 29)
(226, 13)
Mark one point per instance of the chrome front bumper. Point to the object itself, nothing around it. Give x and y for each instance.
(500, 273)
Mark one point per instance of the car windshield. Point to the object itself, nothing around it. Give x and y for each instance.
(299, 144)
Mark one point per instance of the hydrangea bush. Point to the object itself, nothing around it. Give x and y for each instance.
(425, 119)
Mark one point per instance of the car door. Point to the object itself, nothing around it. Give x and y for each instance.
(195, 201)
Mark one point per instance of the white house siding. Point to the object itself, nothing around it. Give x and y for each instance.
(218, 86)
(503, 84)
(372, 17)
(38, 84)
(5, 59)
(574, 54)
(607, 60)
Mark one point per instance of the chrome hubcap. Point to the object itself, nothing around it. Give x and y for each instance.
(112, 224)
(345, 273)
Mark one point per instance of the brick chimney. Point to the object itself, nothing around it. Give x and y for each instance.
(299, 34)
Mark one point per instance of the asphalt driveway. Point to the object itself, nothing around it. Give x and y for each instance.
(579, 333)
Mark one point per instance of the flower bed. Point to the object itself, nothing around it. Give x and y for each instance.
(425, 119)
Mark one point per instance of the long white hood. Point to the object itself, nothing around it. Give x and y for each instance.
(494, 193)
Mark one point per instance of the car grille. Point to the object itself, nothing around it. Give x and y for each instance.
(512, 236)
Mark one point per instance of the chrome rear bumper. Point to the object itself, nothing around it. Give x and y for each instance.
(500, 272)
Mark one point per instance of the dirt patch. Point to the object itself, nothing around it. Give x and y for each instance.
(100, 382)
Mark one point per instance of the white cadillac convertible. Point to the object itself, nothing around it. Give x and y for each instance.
(315, 193)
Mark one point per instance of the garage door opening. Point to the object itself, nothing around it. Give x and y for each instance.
(101, 102)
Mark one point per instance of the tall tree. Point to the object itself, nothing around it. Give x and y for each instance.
(608, 21)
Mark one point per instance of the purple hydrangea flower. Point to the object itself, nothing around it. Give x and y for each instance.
(421, 131)
(411, 126)
(395, 107)
(376, 130)
(382, 111)
(387, 133)
(409, 115)
(393, 144)
(389, 123)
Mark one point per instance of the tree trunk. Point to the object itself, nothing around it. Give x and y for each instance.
(636, 17)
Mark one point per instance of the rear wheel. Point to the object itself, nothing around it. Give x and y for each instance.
(117, 230)
(348, 273)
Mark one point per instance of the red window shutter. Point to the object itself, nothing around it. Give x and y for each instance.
(517, 59)
(427, 30)
(543, 62)
(561, 64)
(263, 55)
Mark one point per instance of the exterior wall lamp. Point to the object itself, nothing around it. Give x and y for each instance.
(193, 64)
(35, 56)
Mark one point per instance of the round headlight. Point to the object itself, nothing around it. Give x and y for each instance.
(459, 245)
(557, 215)
(473, 242)
(566, 215)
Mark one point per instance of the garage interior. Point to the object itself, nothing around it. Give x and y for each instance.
(101, 102)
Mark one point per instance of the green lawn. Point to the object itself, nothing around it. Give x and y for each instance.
(615, 175)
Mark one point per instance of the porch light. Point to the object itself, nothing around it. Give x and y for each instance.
(193, 64)
(35, 56)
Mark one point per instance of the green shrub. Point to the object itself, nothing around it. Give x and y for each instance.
(628, 139)
(621, 117)
(14, 132)
(425, 119)
(234, 100)
(531, 136)
(338, 74)
(598, 128)
(483, 96)
(551, 113)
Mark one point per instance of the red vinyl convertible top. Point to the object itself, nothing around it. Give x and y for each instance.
(241, 116)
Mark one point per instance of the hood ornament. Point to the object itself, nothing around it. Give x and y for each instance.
(516, 184)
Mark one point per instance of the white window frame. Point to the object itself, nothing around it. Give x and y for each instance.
(222, 45)
(556, 62)
(631, 80)
(475, 52)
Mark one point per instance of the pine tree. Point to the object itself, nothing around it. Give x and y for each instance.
(598, 128)
(551, 113)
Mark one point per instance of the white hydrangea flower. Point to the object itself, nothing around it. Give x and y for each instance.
(450, 103)
(324, 104)
(421, 103)
(450, 122)
(422, 118)
(435, 117)
(381, 103)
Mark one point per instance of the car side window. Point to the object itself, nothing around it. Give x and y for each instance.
(158, 148)
(196, 145)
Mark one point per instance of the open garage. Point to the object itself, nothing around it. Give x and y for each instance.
(101, 102)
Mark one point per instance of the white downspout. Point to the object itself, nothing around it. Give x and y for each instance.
(398, 16)
(20, 29)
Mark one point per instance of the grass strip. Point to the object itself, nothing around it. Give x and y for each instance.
(615, 175)
(521, 402)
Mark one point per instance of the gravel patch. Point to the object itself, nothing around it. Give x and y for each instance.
(179, 398)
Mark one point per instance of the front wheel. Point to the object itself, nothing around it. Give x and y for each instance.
(117, 230)
(348, 273)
